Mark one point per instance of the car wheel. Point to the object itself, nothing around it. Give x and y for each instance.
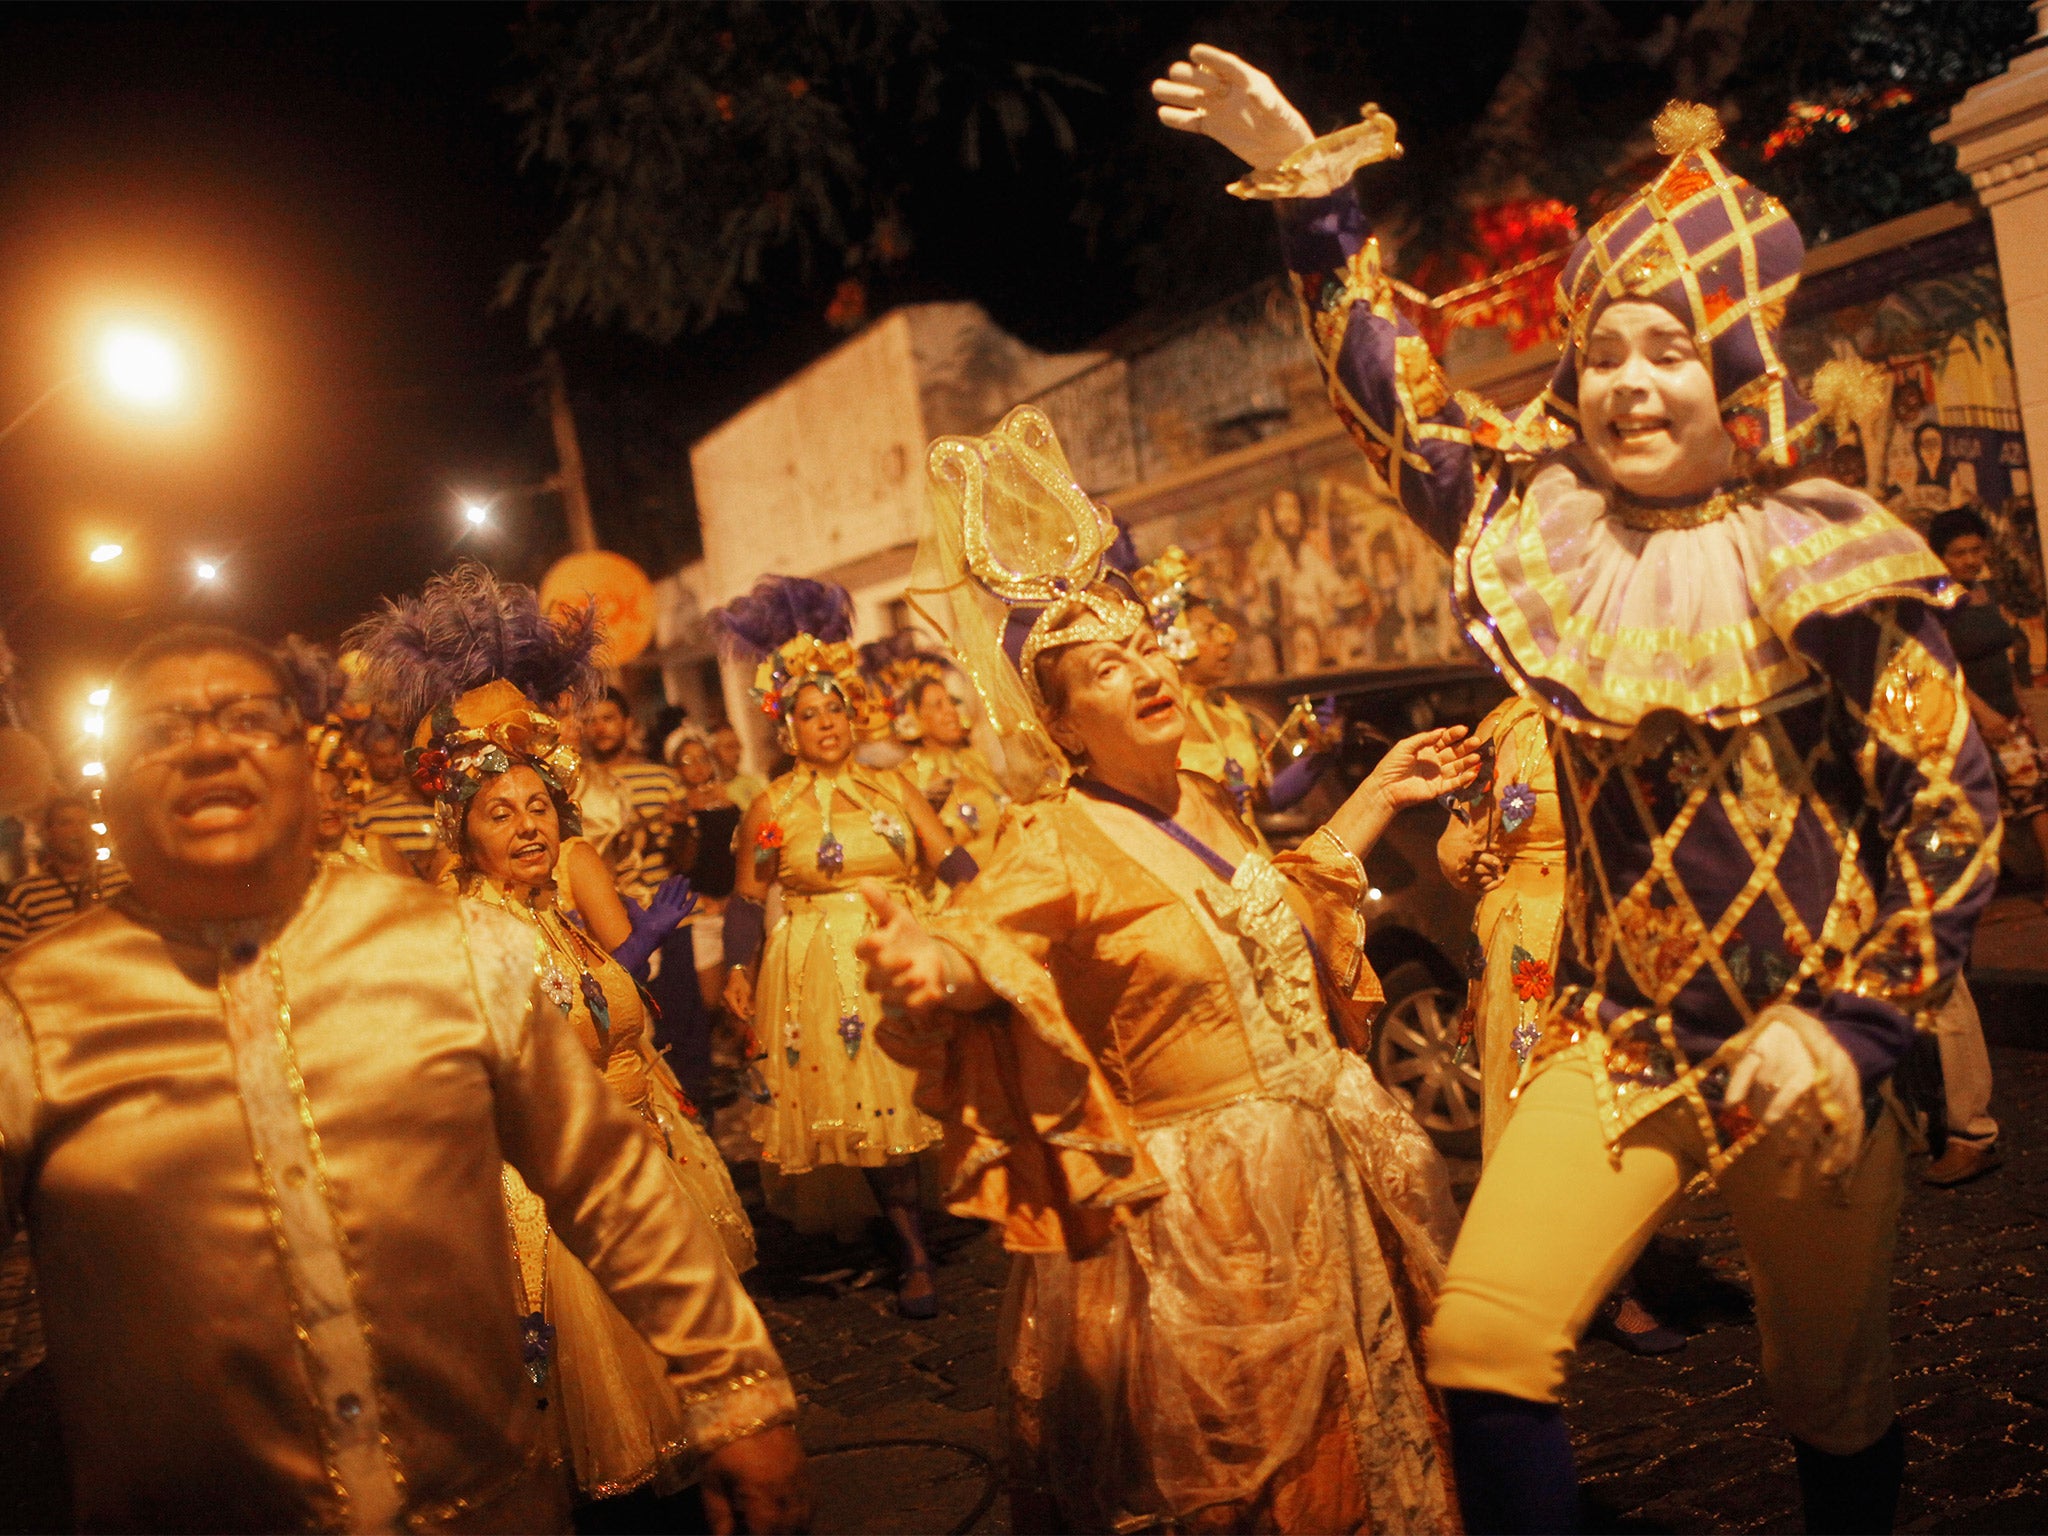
(1414, 1048)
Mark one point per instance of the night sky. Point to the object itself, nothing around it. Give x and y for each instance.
(324, 200)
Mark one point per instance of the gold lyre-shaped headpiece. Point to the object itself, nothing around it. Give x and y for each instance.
(1019, 550)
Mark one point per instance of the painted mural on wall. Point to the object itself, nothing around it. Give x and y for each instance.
(1319, 572)
(1949, 433)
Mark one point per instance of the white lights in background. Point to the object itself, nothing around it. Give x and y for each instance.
(142, 367)
(102, 553)
(98, 697)
(93, 770)
(205, 570)
(475, 513)
(94, 723)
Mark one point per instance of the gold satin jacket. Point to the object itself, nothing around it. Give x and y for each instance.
(259, 1163)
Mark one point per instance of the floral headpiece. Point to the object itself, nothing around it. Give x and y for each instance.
(900, 678)
(833, 667)
(1168, 587)
(468, 741)
(1722, 256)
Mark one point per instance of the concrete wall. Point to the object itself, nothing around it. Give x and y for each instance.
(824, 477)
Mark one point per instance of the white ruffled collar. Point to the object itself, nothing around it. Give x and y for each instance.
(1602, 623)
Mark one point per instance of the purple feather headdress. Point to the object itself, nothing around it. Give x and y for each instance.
(778, 610)
(465, 629)
(316, 677)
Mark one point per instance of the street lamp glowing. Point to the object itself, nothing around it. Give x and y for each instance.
(102, 553)
(205, 570)
(142, 367)
(476, 512)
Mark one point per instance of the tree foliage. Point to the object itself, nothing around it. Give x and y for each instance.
(705, 151)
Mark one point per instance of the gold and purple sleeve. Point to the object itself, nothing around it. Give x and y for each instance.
(613, 1200)
(1384, 384)
(1931, 847)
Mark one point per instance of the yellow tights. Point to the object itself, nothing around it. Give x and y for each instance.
(1558, 1219)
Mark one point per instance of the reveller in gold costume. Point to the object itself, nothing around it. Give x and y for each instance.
(500, 778)
(836, 1101)
(1228, 1234)
(254, 1116)
(1226, 743)
(957, 780)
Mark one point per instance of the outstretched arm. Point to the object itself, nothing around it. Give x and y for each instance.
(1383, 383)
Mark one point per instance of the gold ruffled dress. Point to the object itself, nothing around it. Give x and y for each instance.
(974, 798)
(835, 1098)
(1228, 1234)
(1516, 924)
(619, 1417)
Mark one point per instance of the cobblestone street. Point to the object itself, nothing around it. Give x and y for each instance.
(901, 1422)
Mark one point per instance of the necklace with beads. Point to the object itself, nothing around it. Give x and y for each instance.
(1659, 517)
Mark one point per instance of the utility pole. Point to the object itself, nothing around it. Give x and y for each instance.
(569, 455)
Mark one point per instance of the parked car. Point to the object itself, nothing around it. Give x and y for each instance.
(1418, 928)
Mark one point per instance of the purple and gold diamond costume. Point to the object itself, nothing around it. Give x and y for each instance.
(1771, 786)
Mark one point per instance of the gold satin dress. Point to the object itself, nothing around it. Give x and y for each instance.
(836, 1099)
(974, 799)
(620, 1417)
(1228, 1234)
(1516, 923)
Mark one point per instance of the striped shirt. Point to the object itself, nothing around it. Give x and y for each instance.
(399, 815)
(650, 787)
(37, 903)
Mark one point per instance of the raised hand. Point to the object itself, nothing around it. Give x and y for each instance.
(1421, 767)
(1217, 94)
(662, 915)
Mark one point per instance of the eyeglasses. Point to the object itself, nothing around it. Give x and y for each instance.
(260, 720)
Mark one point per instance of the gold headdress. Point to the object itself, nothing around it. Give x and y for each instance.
(1018, 550)
(470, 740)
(831, 665)
(335, 751)
(1168, 587)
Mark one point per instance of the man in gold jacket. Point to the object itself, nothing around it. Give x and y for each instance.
(254, 1115)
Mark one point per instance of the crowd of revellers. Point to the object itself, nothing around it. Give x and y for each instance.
(353, 1092)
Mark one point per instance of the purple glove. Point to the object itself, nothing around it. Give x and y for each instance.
(1292, 783)
(672, 902)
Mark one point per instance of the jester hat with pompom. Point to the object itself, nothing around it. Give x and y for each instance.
(1722, 257)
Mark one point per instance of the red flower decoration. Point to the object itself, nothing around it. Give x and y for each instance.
(1747, 431)
(430, 771)
(770, 835)
(772, 704)
(1532, 980)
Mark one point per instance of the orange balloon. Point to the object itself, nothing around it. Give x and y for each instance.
(622, 592)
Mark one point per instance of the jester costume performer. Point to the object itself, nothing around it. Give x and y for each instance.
(472, 655)
(1226, 1232)
(836, 1102)
(1226, 742)
(1780, 824)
